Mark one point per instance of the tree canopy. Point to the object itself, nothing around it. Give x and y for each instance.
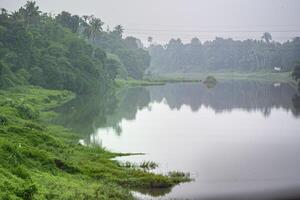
(225, 55)
(65, 51)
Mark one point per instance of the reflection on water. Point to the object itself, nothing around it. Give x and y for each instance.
(238, 138)
(246, 95)
(86, 113)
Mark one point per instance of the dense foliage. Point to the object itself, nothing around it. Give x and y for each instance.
(129, 52)
(296, 71)
(36, 49)
(225, 55)
(64, 52)
(296, 74)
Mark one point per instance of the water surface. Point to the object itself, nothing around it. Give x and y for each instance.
(238, 139)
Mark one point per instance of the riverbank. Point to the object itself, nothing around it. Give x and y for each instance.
(155, 80)
(135, 82)
(257, 76)
(40, 160)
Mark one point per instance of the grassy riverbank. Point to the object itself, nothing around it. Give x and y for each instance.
(40, 160)
(135, 82)
(155, 80)
(259, 76)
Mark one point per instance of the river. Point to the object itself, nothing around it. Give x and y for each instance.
(237, 139)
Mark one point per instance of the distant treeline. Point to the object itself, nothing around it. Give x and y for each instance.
(65, 51)
(225, 55)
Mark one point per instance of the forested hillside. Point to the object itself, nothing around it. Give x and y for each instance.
(128, 53)
(64, 51)
(225, 55)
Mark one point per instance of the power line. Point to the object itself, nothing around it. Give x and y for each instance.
(214, 25)
(214, 31)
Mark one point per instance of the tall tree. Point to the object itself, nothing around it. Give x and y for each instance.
(119, 30)
(150, 39)
(69, 21)
(30, 12)
(195, 41)
(296, 71)
(267, 37)
(96, 26)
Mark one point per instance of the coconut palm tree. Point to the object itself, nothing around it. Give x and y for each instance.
(267, 37)
(95, 27)
(119, 30)
(30, 12)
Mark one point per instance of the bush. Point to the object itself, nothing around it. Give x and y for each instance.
(21, 172)
(210, 81)
(296, 72)
(26, 112)
(3, 120)
(28, 192)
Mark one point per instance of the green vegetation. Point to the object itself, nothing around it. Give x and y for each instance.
(36, 49)
(296, 74)
(128, 53)
(39, 160)
(43, 160)
(257, 76)
(170, 79)
(210, 81)
(148, 165)
(153, 80)
(145, 165)
(65, 52)
(134, 82)
(248, 56)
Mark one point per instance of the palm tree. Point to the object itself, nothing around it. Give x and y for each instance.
(30, 12)
(267, 37)
(119, 30)
(85, 18)
(3, 11)
(95, 26)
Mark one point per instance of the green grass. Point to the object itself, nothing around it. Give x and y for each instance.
(170, 79)
(39, 160)
(153, 80)
(134, 82)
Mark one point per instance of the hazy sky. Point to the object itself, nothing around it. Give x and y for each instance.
(164, 19)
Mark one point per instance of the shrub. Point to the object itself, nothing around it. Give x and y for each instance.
(27, 112)
(28, 192)
(21, 172)
(3, 120)
(210, 81)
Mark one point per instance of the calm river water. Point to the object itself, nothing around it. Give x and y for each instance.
(239, 139)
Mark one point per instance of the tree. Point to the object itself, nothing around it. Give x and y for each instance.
(85, 18)
(267, 37)
(296, 72)
(119, 30)
(150, 39)
(30, 12)
(68, 21)
(92, 26)
(3, 11)
(195, 41)
(95, 27)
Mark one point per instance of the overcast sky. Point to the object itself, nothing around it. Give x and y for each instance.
(165, 19)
